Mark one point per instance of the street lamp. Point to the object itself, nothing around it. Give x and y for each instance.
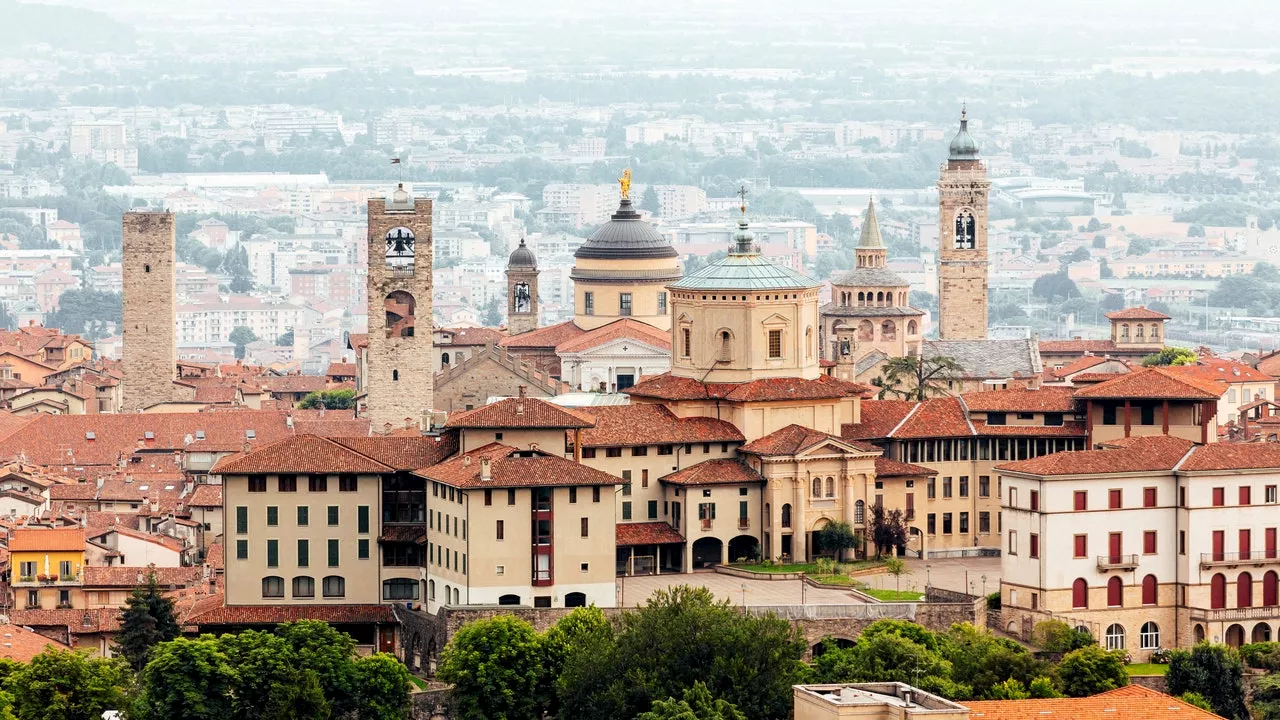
(927, 582)
(984, 586)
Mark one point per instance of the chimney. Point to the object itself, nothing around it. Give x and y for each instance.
(485, 473)
(524, 390)
(288, 421)
(466, 461)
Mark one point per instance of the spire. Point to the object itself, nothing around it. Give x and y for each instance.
(870, 228)
(744, 241)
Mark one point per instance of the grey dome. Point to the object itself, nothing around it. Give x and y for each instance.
(626, 237)
(963, 146)
(522, 257)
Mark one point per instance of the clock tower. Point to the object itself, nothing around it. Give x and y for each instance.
(399, 382)
(522, 290)
(962, 240)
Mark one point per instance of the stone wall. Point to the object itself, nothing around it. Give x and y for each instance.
(150, 319)
(490, 372)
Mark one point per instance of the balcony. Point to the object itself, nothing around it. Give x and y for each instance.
(1227, 614)
(46, 580)
(744, 523)
(1234, 559)
(1117, 562)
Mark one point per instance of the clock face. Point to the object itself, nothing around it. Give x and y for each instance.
(400, 242)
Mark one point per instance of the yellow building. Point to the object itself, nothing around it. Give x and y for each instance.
(47, 565)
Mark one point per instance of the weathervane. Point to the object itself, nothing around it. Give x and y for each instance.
(625, 183)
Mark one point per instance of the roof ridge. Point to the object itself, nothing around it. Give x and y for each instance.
(907, 417)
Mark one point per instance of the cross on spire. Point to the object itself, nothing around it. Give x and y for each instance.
(742, 196)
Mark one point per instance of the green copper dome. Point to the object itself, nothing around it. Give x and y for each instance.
(745, 270)
(963, 146)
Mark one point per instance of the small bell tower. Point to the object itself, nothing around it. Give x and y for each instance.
(522, 290)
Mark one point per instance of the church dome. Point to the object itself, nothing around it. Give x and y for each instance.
(963, 146)
(744, 269)
(522, 257)
(626, 237)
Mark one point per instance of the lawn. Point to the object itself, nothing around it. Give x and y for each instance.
(418, 682)
(834, 580)
(1146, 669)
(894, 595)
(809, 568)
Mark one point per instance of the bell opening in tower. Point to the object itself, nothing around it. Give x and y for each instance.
(400, 247)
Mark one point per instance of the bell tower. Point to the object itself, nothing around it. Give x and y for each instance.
(963, 188)
(401, 364)
(522, 290)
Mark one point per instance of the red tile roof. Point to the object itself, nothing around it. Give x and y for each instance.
(301, 454)
(1043, 400)
(206, 496)
(79, 622)
(892, 468)
(1081, 363)
(1132, 702)
(878, 419)
(794, 439)
(1086, 378)
(652, 424)
(650, 533)
(1135, 454)
(1066, 429)
(46, 539)
(403, 452)
(936, 418)
(1232, 456)
(725, 471)
(213, 556)
(276, 614)
(524, 412)
(544, 337)
(670, 387)
(340, 369)
(403, 533)
(333, 428)
(97, 576)
(216, 394)
(621, 329)
(1154, 383)
(21, 644)
(468, 336)
(1096, 347)
(512, 468)
(1210, 369)
(1136, 313)
(10, 423)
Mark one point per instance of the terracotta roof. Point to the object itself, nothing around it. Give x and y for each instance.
(276, 614)
(1086, 378)
(467, 336)
(99, 576)
(46, 539)
(725, 471)
(1081, 363)
(1232, 456)
(794, 439)
(621, 329)
(335, 428)
(1221, 371)
(216, 394)
(1066, 429)
(878, 419)
(936, 418)
(650, 533)
(293, 383)
(1078, 346)
(403, 452)
(1043, 400)
(341, 370)
(301, 454)
(670, 387)
(544, 337)
(10, 423)
(511, 468)
(403, 533)
(1136, 313)
(205, 495)
(524, 412)
(652, 424)
(79, 622)
(358, 340)
(1132, 702)
(892, 468)
(1134, 454)
(214, 556)
(21, 644)
(1153, 383)
(165, 541)
(77, 491)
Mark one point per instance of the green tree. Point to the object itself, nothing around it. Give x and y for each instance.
(1195, 230)
(1215, 672)
(1080, 254)
(696, 704)
(1196, 699)
(492, 312)
(271, 684)
(187, 678)
(329, 399)
(68, 685)
(650, 200)
(496, 670)
(1055, 286)
(1170, 356)
(240, 337)
(148, 619)
(1091, 670)
(584, 630)
(1056, 636)
(916, 377)
(897, 568)
(836, 537)
(888, 530)
(1139, 246)
(327, 652)
(981, 661)
(382, 687)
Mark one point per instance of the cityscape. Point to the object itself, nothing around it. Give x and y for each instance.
(711, 361)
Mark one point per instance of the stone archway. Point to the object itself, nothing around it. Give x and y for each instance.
(743, 546)
(837, 640)
(1234, 636)
(707, 552)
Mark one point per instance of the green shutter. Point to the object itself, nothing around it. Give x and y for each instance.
(304, 553)
(242, 549)
(273, 516)
(626, 511)
(333, 514)
(362, 549)
(742, 510)
(304, 515)
(273, 553)
(333, 553)
(362, 519)
(242, 520)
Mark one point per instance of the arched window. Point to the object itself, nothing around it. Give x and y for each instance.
(686, 342)
(831, 487)
(1149, 636)
(862, 299)
(448, 594)
(1124, 331)
(888, 330)
(509, 600)
(1269, 588)
(912, 328)
(272, 586)
(1139, 331)
(859, 512)
(808, 342)
(304, 586)
(395, 375)
(1155, 331)
(726, 346)
(444, 358)
(1218, 591)
(575, 600)
(879, 299)
(888, 298)
(786, 515)
(966, 230)
(400, 589)
(1115, 636)
(457, 596)
(817, 487)
(400, 308)
(1080, 593)
(1150, 590)
(431, 589)
(1244, 590)
(1115, 592)
(768, 518)
(334, 586)
(866, 331)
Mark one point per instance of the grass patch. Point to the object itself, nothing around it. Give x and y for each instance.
(1146, 669)
(894, 595)
(418, 682)
(834, 580)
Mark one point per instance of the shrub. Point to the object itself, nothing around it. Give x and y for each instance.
(993, 601)
(1161, 656)
(1261, 655)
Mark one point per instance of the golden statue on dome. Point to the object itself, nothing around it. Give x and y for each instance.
(625, 183)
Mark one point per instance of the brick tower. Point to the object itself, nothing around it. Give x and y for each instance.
(400, 378)
(150, 318)
(962, 241)
(522, 290)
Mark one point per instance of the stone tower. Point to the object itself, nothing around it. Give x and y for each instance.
(150, 318)
(522, 290)
(400, 378)
(962, 241)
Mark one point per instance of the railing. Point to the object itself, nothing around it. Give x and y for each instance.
(1248, 557)
(864, 611)
(1250, 613)
(1117, 562)
(744, 523)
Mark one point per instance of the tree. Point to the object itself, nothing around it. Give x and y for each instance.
(897, 568)
(1094, 225)
(696, 704)
(1091, 670)
(492, 312)
(836, 537)
(1055, 285)
(981, 661)
(285, 340)
(187, 678)
(382, 687)
(329, 399)
(888, 529)
(1100, 242)
(148, 619)
(650, 200)
(328, 652)
(271, 684)
(496, 669)
(1056, 636)
(1195, 230)
(916, 377)
(68, 685)
(1215, 672)
(1265, 701)
(1139, 246)
(1170, 356)
(1196, 699)
(1080, 254)
(240, 337)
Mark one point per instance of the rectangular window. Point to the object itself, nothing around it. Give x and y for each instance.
(348, 483)
(1269, 494)
(639, 451)
(588, 303)
(1182, 496)
(273, 516)
(362, 519)
(242, 549)
(662, 303)
(984, 523)
(1081, 500)
(1182, 542)
(932, 522)
(1080, 546)
(984, 486)
(304, 515)
(1246, 543)
(1034, 545)
(644, 478)
(1013, 542)
(624, 304)
(501, 531)
(931, 489)
(775, 344)
(1148, 497)
(1035, 500)
(595, 494)
(1114, 499)
(511, 496)
(362, 549)
(287, 483)
(653, 509)
(964, 523)
(273, 553)
(1269, 536)
(317, 483)
(613, 452)
(1108, 414)
(1219, 497)
(1053, 419)
(946, 523)
(964, 486)
(1149, 542)
(588, 453)
(257, 483)
(584, 527)
(1246, 495)
(304, 553)
(626, 511)
(573, 495)
(1148, 414)
(996, 418)
(333, 553)
(946, 486)
(242, 520)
